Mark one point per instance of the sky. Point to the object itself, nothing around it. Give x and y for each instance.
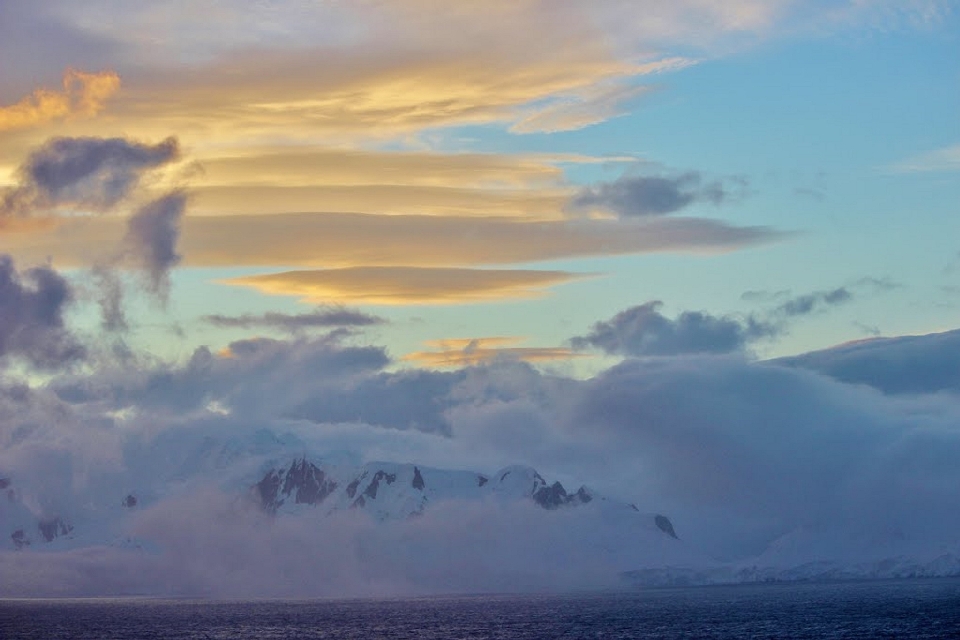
(665, 248)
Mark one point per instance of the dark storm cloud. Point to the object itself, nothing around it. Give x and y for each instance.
(32, 305)
(638, 196)
(93, 174)
(906, 364)
(151, 239)
(644, 331)
(292, 323)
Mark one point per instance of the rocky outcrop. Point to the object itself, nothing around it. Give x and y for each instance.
(352, 487)
(20, 539)
(554, 496)
(53, 528)
(390, 478)
(663, 523)
(302, 480)
(130, 501)
(418, 479)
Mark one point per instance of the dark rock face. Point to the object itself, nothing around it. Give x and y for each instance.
(4, 483)
(303, 481)
(482, 480)
(20, 539)
(130, 501)
(51, 529)
(553, 496)
(352, 487)
(268, 490)
(418, 483)
(663, 523)
(371, 490)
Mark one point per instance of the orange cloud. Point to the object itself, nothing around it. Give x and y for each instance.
(329, 240)
(297, 167)
(379, 198)
(83, 94)
(272, 180)
(405, 285)
(460, 352)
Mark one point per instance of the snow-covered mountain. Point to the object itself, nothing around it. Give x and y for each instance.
(274, 475)
(393, 491)
(208, 504)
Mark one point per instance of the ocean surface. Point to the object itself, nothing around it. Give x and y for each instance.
(889, 609)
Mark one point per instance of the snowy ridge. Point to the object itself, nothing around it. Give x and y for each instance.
(395, 491)
(261, 471)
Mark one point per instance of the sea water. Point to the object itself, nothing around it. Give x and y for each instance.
(890, 609)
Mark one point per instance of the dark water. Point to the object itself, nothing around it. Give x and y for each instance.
(908, 609)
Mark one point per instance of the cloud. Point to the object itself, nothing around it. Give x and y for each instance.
(383, 87)
(740, 454)
(640, 196)
(280, 166)
(944, 160)
(348, 240)
(527, 65)
(256, 378)
(905, 364)
(84, 94)
(462, 352)
(151, 239)
(761, 450)
(405, 285)
(32, 305)
(591, 106)
(644, 331)
(322, 317)
(542, 203)
(89, 174)
(276, 180)
(110, 298)
(811, 302)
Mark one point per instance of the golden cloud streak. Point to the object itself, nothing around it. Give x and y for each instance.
(461, 352)
(342, 96)
(352, 167)
(405, 285)
(83, 94)
(459, 344)
(328, 240)
(387, 199)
